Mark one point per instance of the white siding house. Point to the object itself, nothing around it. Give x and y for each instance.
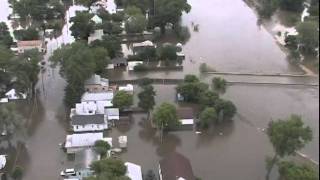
(78, 142)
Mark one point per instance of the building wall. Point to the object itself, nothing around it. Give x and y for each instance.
(96, 88)
(90, 127)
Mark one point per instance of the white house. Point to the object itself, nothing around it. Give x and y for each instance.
(13, 95)
(96, 35)
(86, 123)
(128, 88)
(102, 97)
(78, 142)
(3, 161)
(186, 117)
(28, 45)
(134, 171)
(96, 19)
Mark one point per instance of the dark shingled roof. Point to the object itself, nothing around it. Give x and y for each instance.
(87, 119)
(175, 166)
(185, 113)
(119, 60)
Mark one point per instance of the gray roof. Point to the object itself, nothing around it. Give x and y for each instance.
(87, 119)
(119, 60)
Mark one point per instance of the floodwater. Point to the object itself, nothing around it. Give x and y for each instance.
(229, 39)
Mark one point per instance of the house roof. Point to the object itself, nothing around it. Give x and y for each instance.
(29, 43)
(176, 166)
(112, 112)
(96, 19)
(103, 96)
(128, 87)
(82, 140)
(185, 113)
(133, 171)
(143, 44)
(87, 119)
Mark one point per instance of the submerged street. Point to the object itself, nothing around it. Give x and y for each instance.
(230, 40)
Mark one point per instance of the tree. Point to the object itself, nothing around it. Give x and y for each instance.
(208, 99)
(291, 5)
(219, 84)
(168, 52)
(207, 117)
(102, 147)
(78, 62)
(145, 82)
(291, 171)
(17, 173)
(26, 69)
(146, 99)
(192, 89)
(111, 28)
(111, 43)
(136, 23)
(5, 37)
(122, 100)
(26, 34)
(109, 169)
(132, 10)
(10, 120)
(308, 36)
(169, 11)
(82, 25)
(287, 136)
(226, 109)
(165, 117)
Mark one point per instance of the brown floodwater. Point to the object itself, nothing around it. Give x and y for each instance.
(229, 39)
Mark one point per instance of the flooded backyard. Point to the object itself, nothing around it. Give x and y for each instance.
(229, 40)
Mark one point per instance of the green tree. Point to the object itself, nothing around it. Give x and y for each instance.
(208, 99)
(226, 109)
(102, 147)
(82, 25)
(145, 82)
(109, 169)
(146, 99)
(111, 28)
(191, 79)
(165, 117)
(10, 119)
(17, 173)
(136, 23)
(132, 10)
(219, 84)
(122, 100)
(5, 37)
(111, 43)
(308, 36)
(291, 5)
(78, 62)
(192, 89)
(26, 69)
(26, 34)
(168, 52)
(169, 11)
(287, 136)
(207, 117)
(291, 171)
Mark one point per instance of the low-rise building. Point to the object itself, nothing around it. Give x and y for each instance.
(85, 123)
(13, 95)
(186, 118)
(78, 142)
(105, 97)
(96, 84)
(119, 61)
(175, 167)
(96, 19)
(113, 114)
(28, 45)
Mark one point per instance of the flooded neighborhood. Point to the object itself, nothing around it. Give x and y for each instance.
(227, 38)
